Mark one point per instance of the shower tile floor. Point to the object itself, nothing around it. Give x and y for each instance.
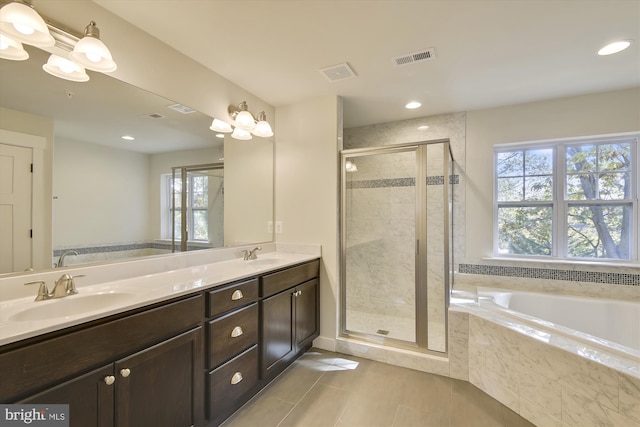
(401, 328)
(336, 390)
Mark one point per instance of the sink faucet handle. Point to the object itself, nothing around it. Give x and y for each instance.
(43, 292)
(71, 285)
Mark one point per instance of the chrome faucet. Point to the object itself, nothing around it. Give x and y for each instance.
(247, 255)
(63, 287)
(61, 259)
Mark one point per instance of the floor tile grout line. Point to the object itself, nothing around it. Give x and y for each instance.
(300, 400)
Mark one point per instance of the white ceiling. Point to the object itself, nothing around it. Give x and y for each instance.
(488, 52)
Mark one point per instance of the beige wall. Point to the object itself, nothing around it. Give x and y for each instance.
(596, 114)
(306, 176)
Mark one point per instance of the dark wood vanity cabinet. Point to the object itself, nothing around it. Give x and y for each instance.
(232, 348)
(192, 361)
(143, 369)
(290, 316)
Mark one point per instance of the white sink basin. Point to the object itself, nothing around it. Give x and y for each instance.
(70, 306)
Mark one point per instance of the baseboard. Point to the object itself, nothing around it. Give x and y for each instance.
(325, 343)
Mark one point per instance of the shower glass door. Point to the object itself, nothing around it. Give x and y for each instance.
(379, 244)
(395, 252)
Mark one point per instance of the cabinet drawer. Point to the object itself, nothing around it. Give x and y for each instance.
(231, 334)
(230, 297)
(227, 384)
(281, 280)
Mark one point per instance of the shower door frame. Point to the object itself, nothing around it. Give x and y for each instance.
(421, 310)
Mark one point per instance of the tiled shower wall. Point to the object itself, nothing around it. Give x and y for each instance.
(385, 208)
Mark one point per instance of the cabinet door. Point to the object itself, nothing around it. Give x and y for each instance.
(306, 320)
(162, 385)
(277, 332)
(89, 396)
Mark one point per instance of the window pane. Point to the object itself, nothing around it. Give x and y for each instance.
(525, 230)
(200, 225)
(599, 231)
(538, 188)
(539, 162)
(615, 186)
(510, 189)
(510, 164)
(581, 187)
(614, 157)
(581, 158)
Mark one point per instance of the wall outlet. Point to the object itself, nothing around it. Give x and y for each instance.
(270, 227)
(278, 227)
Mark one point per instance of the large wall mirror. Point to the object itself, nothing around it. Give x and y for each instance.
(112, 196)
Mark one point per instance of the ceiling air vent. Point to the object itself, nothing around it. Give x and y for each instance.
(410, 58)
(338, 72)
(152, 116)
(181, 108)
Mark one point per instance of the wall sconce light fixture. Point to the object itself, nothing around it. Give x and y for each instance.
(245, 123)
(20, 23)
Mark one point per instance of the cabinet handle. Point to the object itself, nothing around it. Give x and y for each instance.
(236, 378)
(297, 293)
(237, 331)
(109, 379)
(125, 372)
(236, 295)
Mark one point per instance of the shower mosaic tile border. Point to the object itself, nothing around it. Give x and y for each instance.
(627, 279)
(400, 182)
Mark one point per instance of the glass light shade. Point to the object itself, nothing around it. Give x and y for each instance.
(21, 22)
(242, 134)
(92, 54)
(65, 69)
(220, 126)
(245, 120)
(12, 49)
(351, 166)
(262, 129)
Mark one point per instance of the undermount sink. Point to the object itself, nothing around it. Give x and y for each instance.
(261, 262)
(70, 306)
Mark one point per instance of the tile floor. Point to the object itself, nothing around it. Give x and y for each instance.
(330, 389)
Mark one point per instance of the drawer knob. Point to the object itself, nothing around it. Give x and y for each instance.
(125, 372)
(237, 331)
(109, 379)
(236, 378)
(237, 294)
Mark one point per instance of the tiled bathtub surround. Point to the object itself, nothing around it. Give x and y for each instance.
(550, 379)
(553, 274)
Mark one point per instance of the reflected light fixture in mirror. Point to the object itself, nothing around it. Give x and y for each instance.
(245, 123)
(65, 69)
(21, 22)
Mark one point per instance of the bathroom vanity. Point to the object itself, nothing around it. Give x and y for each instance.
(191, 359)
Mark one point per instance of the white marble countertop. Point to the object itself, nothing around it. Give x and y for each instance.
(22, 318)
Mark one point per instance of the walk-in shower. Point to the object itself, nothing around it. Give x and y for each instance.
(395, 244)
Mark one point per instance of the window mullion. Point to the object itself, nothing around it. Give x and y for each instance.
(560, 202)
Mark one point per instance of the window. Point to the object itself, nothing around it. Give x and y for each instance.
(569, 199)
(197, 198)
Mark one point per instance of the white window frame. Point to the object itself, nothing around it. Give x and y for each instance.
(189, 211)
(560, 204)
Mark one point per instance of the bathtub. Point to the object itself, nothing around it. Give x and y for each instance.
(604, 322)
(553, 359)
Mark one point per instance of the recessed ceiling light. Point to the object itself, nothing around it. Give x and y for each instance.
(423, 127)
(127, 137)
(614, 47)
(413, 105)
